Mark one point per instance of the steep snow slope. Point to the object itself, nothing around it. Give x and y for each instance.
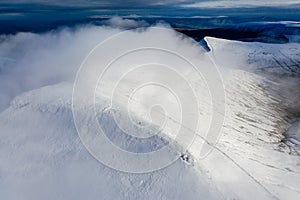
(293, 136)
(261, 105)
(253, 136)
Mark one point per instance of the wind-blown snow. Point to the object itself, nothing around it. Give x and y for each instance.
(29, 61)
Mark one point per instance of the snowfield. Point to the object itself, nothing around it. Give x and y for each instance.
(42, 157)
(257, 153)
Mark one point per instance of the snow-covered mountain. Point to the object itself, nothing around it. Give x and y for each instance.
(263, 102)
(257, 152)
(42, 157)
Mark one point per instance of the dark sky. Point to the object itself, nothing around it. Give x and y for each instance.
(149, 3)
(40, 15)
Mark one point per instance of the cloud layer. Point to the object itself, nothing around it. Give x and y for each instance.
(29, 61)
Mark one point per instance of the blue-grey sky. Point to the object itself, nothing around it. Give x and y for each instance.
(242, 3)
(43, 15)
(176, 3)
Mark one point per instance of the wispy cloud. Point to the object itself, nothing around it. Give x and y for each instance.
(150, 3)
(145, 4)
(241, 3)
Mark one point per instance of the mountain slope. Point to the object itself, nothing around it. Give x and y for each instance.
(42, 156)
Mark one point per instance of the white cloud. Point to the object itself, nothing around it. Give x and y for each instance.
(29, 61)
(119, 22)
